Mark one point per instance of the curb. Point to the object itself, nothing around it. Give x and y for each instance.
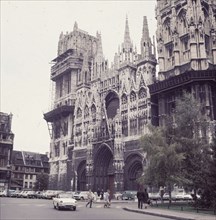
(112, 201)
(158, 214)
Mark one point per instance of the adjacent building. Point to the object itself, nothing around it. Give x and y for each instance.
(99, 112)
(25, 168)
(186, 45)
(6, 148)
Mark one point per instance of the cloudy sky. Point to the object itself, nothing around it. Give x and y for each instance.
(29, 37)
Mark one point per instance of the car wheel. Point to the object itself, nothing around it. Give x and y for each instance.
(81, 198)
(73, 208)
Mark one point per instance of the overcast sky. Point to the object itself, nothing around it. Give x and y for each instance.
(29, 37)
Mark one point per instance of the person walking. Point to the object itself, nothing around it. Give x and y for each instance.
(102, 194)
(145, 198)
(107, 199)
(140, 198)
(98, 192)
(90, 198)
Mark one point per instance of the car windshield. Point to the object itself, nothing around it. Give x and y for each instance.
(65, 195)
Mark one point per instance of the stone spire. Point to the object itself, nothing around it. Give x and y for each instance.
(200, 14)
(145, 30)
(127, 41)
(146, 44)
(99, 56)
(100, 64)
(75, 26)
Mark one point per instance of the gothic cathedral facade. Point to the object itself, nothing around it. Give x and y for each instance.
(100, 112)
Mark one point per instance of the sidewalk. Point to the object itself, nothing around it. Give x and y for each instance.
(132, 207)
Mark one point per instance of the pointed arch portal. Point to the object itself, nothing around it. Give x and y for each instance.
(103, 168)
(81, 178)
(133, 170)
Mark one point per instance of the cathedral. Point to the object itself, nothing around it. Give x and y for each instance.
(99, 112)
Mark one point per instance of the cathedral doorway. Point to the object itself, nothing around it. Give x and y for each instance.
(133, 170)
(103, 168)
(81, 176)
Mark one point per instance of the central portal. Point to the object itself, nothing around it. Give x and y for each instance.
(103, 169)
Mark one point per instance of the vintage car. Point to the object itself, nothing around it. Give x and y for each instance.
(129, 195)
(83, 195)
(64, 201)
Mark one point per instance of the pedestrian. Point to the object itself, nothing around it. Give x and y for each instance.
(90, 198)
(161, 192)
(140, 194)
(107, 199)
(98, 192)
(145, 198)
(102, 194)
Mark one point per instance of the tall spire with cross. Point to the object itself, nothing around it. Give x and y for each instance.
(146, 44)
(127, 41)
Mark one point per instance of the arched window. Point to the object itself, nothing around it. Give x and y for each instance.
(86, 112)
(86, 77)
(182, 24)
(79, 113)
(166, 29)
(133, 96)
(93, 111)
(124, 99)
(142, 93)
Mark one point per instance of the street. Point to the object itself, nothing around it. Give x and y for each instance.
(34, 209)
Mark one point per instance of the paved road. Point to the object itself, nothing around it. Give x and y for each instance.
(35, 209)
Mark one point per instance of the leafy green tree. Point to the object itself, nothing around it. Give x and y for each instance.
(208, 187)
(212, 173)
(177, 153)
(164, 163)
(189, 132)
(42, 182)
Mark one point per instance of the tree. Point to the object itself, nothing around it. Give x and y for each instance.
(42, 182)
(189, 132)
(177, 153)
(208, 187)
(164, 163)
(212, 173)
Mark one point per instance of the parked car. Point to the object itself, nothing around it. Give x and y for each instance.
(154, 196)
(187, 196)
(182, 195)
(14, 193)
(83, 195)
(22, 194)
(129, 195)
(31, 194)
(38, 194)
(64, 201)
(49, 194)
(7, 193)
(19, 194)
(2, 193)
(117, 196)
(25, 194)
